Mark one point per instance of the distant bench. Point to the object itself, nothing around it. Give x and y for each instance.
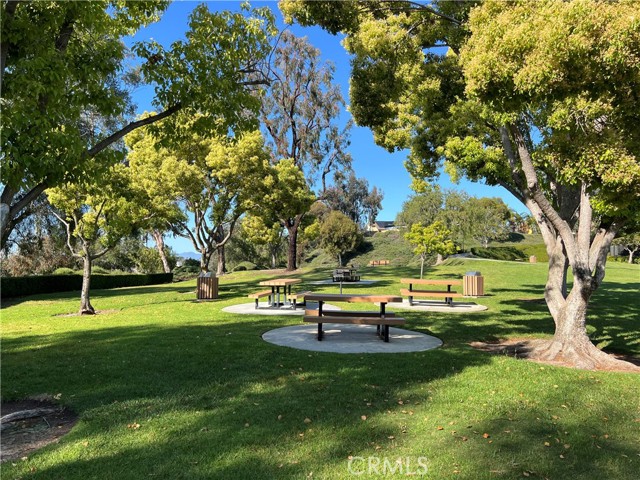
(298, 297)
(381, 319)
(375, 263)
(448, 295)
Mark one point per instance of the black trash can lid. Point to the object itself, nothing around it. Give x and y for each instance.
(473, 274)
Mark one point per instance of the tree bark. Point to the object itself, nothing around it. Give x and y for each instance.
(421, 266)
(159, 239)
(293, 246)
(85, 302)
(222, 261)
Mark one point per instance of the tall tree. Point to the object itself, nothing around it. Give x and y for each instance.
(96, 216)
(351, 196)
(63, 85)
(288, 196)
(300, 114)
(215, 180)
(502, 102)
(422, 207)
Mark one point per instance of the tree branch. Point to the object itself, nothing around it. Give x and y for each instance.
(129, 128)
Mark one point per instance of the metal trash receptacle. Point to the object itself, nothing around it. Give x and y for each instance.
(473, 284)
(207, 286)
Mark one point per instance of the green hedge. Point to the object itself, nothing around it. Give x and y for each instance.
(500, 253)
(20, 286)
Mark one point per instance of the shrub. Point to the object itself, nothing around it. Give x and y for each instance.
(20, 286)
(63, 271)
(243, 266)
(500, 253)
(100, 270)
(185, 272)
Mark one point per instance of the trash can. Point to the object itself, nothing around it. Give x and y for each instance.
(533, 259)
(473, 284)
(207, 286)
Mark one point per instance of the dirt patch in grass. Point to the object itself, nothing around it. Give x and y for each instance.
(524, 348)
(23, 436)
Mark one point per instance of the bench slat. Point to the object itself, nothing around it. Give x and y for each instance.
(298, 295)
(428, 293)
(352, 313)
(261, 294)
(356, 320)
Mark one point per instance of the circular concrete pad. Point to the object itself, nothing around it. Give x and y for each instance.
(340, 338)
(436, 306)
(250, 309)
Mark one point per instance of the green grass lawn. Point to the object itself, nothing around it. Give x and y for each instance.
(213, 400)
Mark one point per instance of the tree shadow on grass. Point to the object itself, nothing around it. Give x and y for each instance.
(215, 391)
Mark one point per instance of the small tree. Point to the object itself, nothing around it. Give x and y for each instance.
(96, 216)
(339, 235)
(630, 242)
(428, 240)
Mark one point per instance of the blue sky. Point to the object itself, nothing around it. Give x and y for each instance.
(381, 168)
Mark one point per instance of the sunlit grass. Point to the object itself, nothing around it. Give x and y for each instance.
(167, 387)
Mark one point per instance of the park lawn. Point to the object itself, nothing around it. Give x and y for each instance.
(167, 387)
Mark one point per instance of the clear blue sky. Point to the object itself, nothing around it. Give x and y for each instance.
(381, 168)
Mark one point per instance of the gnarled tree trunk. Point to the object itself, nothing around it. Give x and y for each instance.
(159, 239)
(85, 302)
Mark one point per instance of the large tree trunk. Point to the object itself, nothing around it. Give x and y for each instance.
(339, 260)
(159, 239)
(292, 253)
(570, 344)
(222, 261)
(85, 302)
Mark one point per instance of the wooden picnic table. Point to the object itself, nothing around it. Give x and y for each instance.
(276, 284)
(448, 295)
(381, 319)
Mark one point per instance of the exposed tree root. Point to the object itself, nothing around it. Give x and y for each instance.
(584, 356)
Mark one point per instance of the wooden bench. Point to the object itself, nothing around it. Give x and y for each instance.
(296, 296)
(374, 263)
(259, 295)
(355, 318)
(448, 295)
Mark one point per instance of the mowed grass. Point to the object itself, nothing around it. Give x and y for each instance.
(167, 387)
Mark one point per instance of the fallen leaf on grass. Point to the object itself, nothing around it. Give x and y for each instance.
(134, 426)
(307, 420)
(485, 435)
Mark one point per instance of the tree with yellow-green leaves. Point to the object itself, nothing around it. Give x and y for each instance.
(429, 240)
(96, 214)
(537, 97)
(213, 180)
(65, 86)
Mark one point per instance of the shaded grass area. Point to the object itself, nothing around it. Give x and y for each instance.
(173, 388)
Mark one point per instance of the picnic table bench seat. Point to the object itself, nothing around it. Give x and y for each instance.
(297, 297)
(357, 317)
(374, 263)
(448, 294)
(259, 295)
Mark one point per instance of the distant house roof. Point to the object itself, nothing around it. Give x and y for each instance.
(384, 224)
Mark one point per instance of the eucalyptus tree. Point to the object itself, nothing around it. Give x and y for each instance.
(351, 196)
(63, 65)
(538, 97)
(300, 115)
